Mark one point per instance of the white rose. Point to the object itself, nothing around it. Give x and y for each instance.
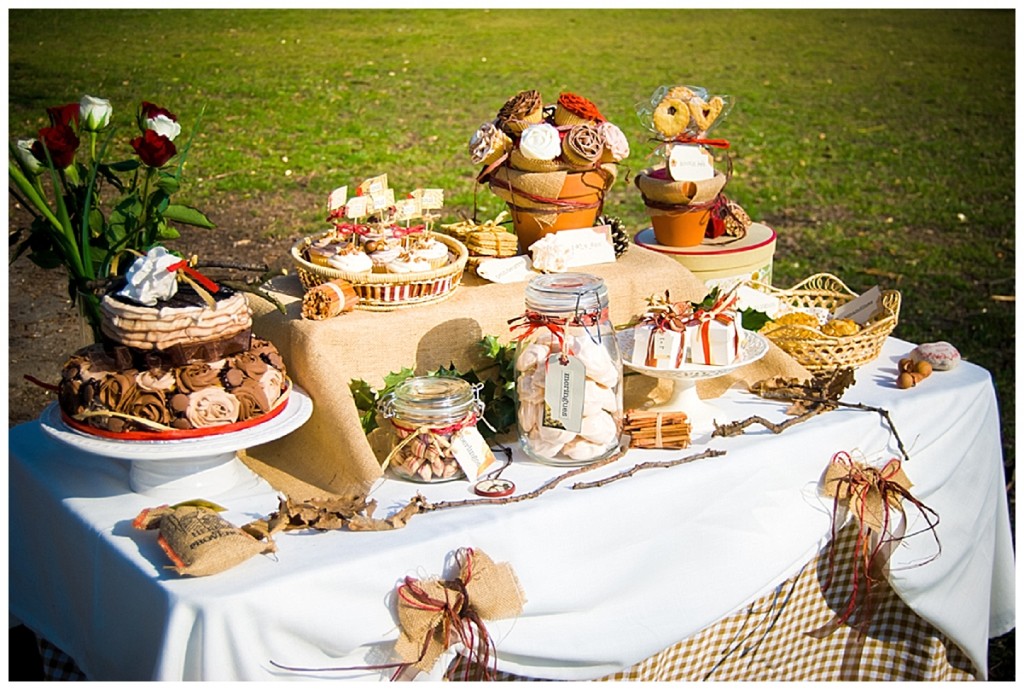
(94, 113)
(149, 281)
(25, 156)
(540, 142)
(161, 124)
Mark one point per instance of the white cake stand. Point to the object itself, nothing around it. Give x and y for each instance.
(684, 398)
(183, 469)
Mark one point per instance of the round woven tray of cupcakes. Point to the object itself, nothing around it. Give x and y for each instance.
(383, 249)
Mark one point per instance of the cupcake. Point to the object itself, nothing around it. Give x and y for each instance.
(573, 109)
(520, 111)
(430, 250)
(385, 253)
(538, 148)
(488, 144)
(320, 252)
(582, 146)
(351, 260)
(406, 262)
(616, 147)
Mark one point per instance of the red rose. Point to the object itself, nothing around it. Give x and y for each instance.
(61, 141)
(63, 114)
(151, 110)
(154, 149)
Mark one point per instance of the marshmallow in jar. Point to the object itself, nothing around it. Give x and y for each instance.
(568, 371)
(436, 439)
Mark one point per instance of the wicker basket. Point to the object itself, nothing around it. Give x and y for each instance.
(387, 291)
(814, 349)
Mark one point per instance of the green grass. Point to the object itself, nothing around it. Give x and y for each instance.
(879, 144)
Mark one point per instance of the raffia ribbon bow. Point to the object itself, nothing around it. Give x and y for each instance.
(435, 614)
(871, 494)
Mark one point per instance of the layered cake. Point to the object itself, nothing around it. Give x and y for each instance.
(177, 359)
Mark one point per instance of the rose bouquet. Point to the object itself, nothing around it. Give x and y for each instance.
(87, 213)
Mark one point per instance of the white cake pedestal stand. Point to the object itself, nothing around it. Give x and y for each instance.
(684, 398)
(183, 469)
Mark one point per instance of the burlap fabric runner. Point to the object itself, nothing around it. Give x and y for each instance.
(330, 453)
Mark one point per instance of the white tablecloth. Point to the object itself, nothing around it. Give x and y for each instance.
(611, 574)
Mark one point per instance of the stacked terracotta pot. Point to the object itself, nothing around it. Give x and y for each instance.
(551, 164)
(684, 191)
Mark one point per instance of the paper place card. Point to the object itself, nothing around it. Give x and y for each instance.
(861, 309)
(690, 163)
(582, 247)
(337, 198)
(406, 209)
(514, 269)
(563, 393)
(357, 207)
(471, 452)
(372, 184)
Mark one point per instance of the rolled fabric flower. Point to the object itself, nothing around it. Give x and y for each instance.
(540, 142)
(573, 109)
(582, 146)
(488, 144)
(521, 111)
(212, 407)
(616, 147)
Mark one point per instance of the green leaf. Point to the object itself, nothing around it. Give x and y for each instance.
(753, 320)
(167, 184)
(363, 395)
(395, 378)
(129, 165)
(187, 215)
(166, 232)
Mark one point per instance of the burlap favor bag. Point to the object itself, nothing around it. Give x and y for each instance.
(658, 189)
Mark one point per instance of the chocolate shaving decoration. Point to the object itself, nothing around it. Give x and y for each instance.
(872, 495)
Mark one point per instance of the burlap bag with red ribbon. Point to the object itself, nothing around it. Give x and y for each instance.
(435, 614)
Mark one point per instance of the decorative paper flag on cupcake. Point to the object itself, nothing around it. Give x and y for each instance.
(337, 198)
(430, 199)
(372, 184)
(407, 209)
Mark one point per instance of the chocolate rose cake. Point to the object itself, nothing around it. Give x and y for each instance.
(175, 361)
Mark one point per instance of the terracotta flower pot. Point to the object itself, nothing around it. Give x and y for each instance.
(685, 229)
(583, 193)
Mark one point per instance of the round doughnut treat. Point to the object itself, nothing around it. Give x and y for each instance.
(672, 114)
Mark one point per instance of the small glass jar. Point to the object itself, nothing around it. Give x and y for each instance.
(568, 371)
(425, 413)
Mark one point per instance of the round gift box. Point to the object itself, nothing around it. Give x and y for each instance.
(723, 260)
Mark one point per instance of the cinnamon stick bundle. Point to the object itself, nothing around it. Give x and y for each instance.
(648, 429)
(329, 299)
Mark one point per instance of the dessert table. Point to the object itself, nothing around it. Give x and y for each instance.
(611, 575)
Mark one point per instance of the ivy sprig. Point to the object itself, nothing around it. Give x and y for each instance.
(497, 392)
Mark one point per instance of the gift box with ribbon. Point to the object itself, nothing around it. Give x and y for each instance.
(714, 334)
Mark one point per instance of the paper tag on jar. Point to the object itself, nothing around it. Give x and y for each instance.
(471, 452)
(563, 393)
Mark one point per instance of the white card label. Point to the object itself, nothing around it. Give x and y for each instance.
(662, 344)
(861, 309)
(563, 393)
(581, 247)
(357, 207)
(382, 199)
(372, 185)
(430, 198)
(405, 209)
(689, 163)
(471, 452)
(337, 198)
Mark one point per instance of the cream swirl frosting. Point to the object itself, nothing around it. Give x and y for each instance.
(149, 281)
(615, 144)
(540, 142)
(353, 262)
(487, 143)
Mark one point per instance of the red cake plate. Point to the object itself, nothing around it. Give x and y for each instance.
(174, 468)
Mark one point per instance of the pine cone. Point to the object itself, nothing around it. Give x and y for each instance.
(620, 238)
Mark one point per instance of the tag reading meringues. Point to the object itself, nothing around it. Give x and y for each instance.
(563, 393)
(471, 452)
